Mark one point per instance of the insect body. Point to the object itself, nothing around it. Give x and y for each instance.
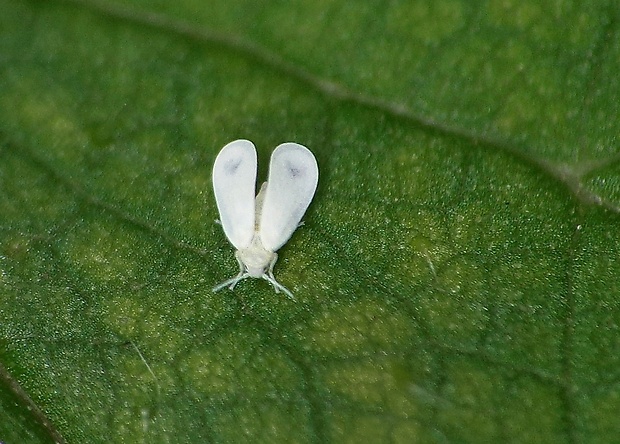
(259, 226)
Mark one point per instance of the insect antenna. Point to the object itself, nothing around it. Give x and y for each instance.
(230, 283)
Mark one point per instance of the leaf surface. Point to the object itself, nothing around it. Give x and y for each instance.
(456, 276)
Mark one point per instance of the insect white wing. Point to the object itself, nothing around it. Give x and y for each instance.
(234, 185)
(292, 181)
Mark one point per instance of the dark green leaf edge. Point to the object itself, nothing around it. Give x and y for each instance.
(47, 427)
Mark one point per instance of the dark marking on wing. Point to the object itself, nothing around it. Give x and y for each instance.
(295, 170)
(232, 165)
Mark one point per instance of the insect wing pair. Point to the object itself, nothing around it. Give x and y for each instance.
(259, 226)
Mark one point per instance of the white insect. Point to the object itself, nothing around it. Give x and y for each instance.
(258, 227)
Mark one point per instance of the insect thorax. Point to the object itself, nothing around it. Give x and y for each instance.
(256, 259)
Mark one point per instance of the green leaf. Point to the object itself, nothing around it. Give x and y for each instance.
(456, 277)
